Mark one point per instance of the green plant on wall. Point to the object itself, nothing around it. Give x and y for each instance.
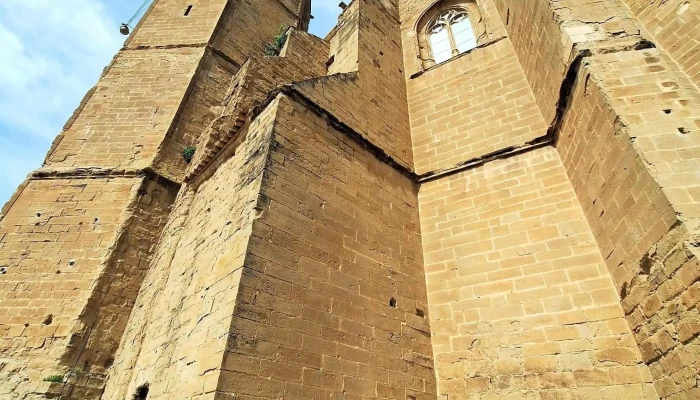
(54, 379)
(275, 48)
(188, 154)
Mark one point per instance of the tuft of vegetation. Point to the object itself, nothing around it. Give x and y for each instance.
(275, 48)
(188, 154)
(54, 378)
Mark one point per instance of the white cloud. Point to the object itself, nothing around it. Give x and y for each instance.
(51, 53)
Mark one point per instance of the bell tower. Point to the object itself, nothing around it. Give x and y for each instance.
(76, 238)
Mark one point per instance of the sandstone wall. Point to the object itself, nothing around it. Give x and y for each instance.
(674, 27)
(625, 119)
(178, 331)
(522, 305)
(302, 57)
(549, 34)
(471, 107)
(371, 98)
(328, 299)
(156, 98)
(344, 42)
(629, 164)
(75, 252)
(474, 105)
(124, 122)
(332, 300)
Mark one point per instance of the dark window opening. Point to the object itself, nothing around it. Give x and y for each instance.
(508, 17)
(392, 302)
(187, 10)
(330, 62)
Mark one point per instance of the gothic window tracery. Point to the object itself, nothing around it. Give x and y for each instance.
(448, 28)
(450, 34)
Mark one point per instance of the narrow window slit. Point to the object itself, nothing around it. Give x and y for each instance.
(187, 10)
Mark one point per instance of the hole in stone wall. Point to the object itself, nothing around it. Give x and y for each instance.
(96, 220)
(48, 320)
(71, 263)
(38, 214)
(330, 61)
(683, 131)
(392, 302)
(508, 17)
(141, 392)
(645, 265)
(420, 313)
(3, 270)
(623, 291)
(187, 10)
(667, 111)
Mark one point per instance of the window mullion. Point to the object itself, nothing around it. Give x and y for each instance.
(453, 42)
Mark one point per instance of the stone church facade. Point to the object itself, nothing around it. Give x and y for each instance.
(451, 199)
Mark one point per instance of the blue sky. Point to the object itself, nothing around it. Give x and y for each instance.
(51, 53)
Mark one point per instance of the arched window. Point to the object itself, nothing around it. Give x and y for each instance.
(448, 28)
(450, 33)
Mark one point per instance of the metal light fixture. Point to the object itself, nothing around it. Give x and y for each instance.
(125, 28)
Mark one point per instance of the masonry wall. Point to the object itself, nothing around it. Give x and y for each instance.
(471, 106)
(620, 142)
(549, 34)
(55, 243)
(659, 109)
(166, 23)
(522, 304)
(241, 34)
(123, 123)
(618, 101)
(674, 27)
(156, 98)
(371, 98)
(177, 334)
(344, 42)
(302, 57)
(103, 320)
(332, 300)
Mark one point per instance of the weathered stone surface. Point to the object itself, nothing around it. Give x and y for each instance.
(520, 221)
